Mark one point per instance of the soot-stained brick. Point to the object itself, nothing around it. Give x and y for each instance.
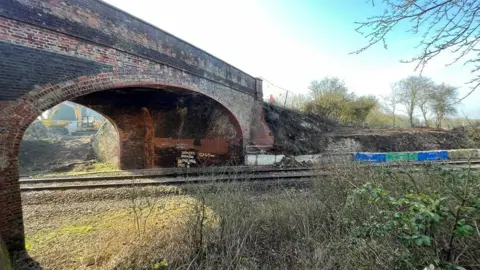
(103, 25)
(21, 68)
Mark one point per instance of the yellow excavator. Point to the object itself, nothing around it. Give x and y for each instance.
(71, 119)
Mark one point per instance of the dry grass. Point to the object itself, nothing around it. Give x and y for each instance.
(81, 169)
(239, 226)
(105, 234)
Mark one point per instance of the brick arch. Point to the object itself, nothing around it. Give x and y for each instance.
(18, 114)
(29, 106)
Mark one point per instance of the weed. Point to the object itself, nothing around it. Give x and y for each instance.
(4, 257)
(356, 218)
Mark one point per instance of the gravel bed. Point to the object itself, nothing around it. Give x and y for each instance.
(156, 179)
(152, 172)
(90, 195)
(48, 216)
(123, 193)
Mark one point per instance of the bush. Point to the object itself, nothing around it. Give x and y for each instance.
(352, 218)
(376, 219)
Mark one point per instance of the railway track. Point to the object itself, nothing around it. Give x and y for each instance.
(117, 182)
(181, 177)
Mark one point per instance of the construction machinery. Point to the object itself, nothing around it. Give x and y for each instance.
(69, 118)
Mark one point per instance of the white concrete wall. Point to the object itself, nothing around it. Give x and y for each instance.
(262, 159)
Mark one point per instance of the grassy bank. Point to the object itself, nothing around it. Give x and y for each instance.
(363, 218)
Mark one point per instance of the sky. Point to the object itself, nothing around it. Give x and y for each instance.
(293, 42)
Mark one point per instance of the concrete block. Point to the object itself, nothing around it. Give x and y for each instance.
(250, 160)
(463, 154)
(260, 160)
(304, 158)
(337, 158)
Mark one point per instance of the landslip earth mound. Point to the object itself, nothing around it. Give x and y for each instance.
(54, 154)
(296, 133)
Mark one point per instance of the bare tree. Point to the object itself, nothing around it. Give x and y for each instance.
(329, 97)
(412, 92)
(391, 101)
(297, 101)
(444, 25)
(327, 85)
(427, 87)
(442, 102)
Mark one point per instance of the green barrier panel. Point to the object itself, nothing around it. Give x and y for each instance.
(404, 156)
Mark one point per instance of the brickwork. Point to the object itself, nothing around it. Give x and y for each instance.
(132, 70)
(171, 123)
(98, 22)
(53, 51)
(260, 134)
(135, 130)
(28, 67)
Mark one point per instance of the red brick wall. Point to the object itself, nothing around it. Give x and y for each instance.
(99, 23)
(46, 63)
(16, 115)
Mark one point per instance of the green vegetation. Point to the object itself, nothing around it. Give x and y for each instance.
(4, 258)
(442, 102)
(101, 167)
(116, 237)
(378, 118)
(363, 218)
(414, 95)
(421, 93)
(331, 99)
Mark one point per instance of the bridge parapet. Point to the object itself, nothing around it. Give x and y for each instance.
(98, 22)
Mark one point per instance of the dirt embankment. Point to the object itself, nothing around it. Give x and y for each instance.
(397, 140)
(53, 154)
(296, 134)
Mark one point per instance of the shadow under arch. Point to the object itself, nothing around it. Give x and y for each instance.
(169, 120)
(18, 114)
(29, 106)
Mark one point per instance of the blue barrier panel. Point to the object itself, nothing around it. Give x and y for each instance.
(432, 155)
(370, 157)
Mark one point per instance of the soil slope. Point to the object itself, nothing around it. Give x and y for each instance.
(296, 133)
(59, 154)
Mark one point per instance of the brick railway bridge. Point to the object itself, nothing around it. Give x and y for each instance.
(162, 94)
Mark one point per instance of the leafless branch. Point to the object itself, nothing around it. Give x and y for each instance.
(450, 26)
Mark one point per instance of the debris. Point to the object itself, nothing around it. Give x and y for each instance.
(296, 133)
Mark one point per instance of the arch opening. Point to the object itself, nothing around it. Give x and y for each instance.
(180, 126)
(169, 127)
(68, 139)
(132, 128)
(18, 114)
